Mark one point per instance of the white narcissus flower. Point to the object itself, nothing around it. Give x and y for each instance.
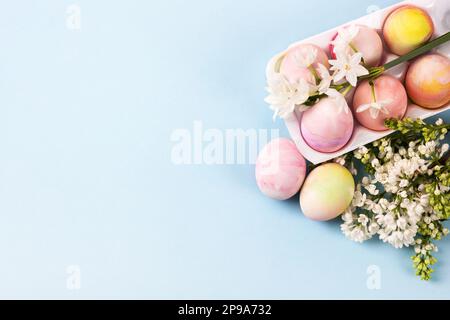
(348, 67)
(375, 108)
(325, 77)
(284, 97)
(305, 58)
(344, 39)
(339, 99)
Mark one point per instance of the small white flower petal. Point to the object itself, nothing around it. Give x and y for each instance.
(384, 110)
(356, 59)
(374, 112)
(304, 59)
(340, 100)
(323, 71)
(363, 108)
(339, 75)
(352, 78)
(360, 70)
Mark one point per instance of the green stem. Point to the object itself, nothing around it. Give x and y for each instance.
(372, 88)
(347, 90)
(314, 72)
(339, 87)
(353, 48)
(375, 72)
(419, 51)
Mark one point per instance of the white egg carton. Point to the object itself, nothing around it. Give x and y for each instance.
(439, 10)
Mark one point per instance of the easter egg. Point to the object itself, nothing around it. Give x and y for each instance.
(407, 28)
(290, 67)
(368, 42)
(428, 81)
(280, 169)
(327, 192)
(391, 102)
(325, 127)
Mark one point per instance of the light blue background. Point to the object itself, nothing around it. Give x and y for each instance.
(85, 171)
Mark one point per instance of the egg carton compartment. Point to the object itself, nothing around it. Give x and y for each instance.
(439, 10)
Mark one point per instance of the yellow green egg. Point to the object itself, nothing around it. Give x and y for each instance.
(407, 28)
(327, 192)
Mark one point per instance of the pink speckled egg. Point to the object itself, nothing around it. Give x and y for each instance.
(391, 99)
(407, 28)
(369, 43)
(327, 192)
(293, 72)
(280, 169)
(428, 81)
(325, 127)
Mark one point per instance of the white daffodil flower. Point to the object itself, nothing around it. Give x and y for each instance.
(325, 77)
(305, 58)
(339, 99)
(348, 67)
(284, 96)
(375, 108)
(344, 39)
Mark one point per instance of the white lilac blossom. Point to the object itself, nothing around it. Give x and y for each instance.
(404, 197)
(284, 96)
(375, 108)
(394, 220)
(348, 67)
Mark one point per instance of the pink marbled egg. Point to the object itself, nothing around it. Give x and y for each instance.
(428, 81)
(325, 127)
(293, 72)
(369, 43)
(388, 90)
(280, 169)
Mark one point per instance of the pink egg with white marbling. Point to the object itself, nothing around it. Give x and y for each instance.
(325, 127)
(369, 43)
(389, 92)
(280, 169)
(428, 81)
(293, 72)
